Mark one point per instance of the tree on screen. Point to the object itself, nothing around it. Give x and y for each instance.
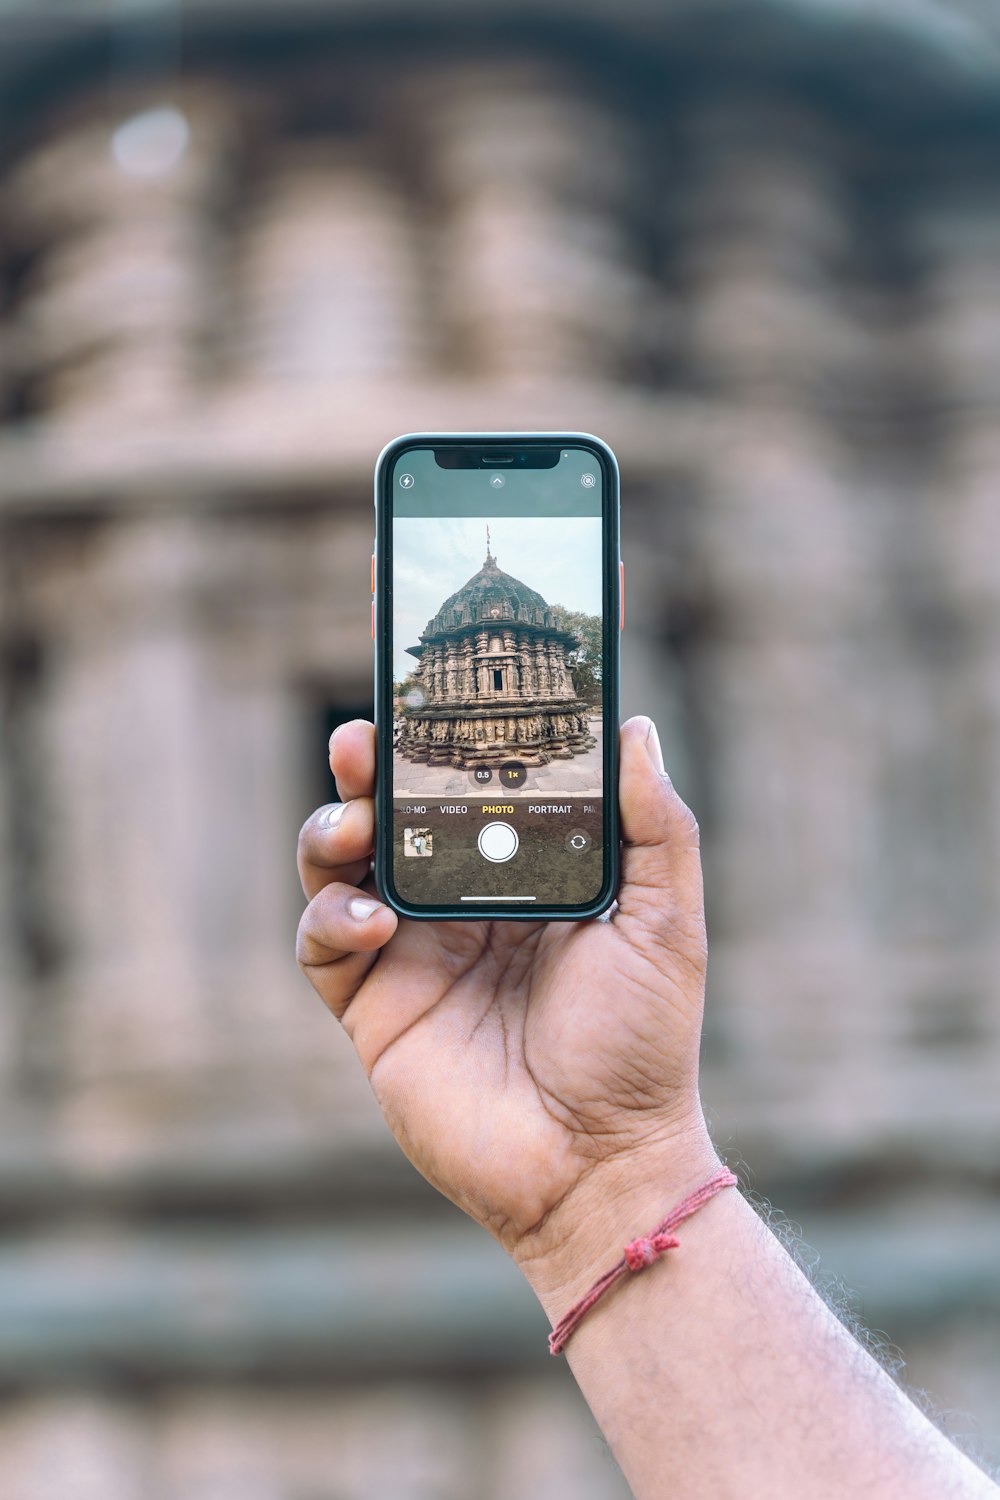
(585, 660)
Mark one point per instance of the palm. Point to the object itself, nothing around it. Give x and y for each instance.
(502, 1076)
(512, 1058)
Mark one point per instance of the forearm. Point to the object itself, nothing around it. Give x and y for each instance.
(719, 1371)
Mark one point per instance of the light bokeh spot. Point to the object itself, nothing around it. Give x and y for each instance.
(152, 143)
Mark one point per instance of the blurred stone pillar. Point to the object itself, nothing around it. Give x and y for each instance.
(787, 680)
(119, 212)
(532, 179)
(12, 750)
(758, 238)
(76, 1444)
(327, 277)
(955, 339)
(126, 748)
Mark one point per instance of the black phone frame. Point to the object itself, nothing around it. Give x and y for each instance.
(611, 635)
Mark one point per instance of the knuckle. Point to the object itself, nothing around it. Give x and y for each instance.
(688, 822)
(311, 933)
(302, 942)
(315, 824)
(306, 830)
(693, 828)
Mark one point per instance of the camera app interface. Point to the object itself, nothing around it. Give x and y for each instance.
(497, 726)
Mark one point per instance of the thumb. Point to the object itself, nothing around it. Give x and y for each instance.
(661, 893)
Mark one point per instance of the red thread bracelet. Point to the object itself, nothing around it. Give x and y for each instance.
(640, 1253)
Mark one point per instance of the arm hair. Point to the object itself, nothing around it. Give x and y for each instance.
(845, 1304)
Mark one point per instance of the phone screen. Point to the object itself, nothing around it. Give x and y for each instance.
(498, 643)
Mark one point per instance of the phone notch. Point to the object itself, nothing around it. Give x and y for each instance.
(468, 457)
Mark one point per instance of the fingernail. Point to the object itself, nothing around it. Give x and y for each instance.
(333, 814)
(653, 746)
(654, 752)
(361, 908)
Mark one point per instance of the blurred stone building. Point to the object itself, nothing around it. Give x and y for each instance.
(756, 248)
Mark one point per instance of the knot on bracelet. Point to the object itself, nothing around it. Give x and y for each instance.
(641, 1252)
(644, 1250)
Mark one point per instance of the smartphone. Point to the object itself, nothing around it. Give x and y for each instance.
(496, 612)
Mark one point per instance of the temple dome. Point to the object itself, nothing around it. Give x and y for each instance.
(490, 593)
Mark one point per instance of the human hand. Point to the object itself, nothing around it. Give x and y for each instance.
(538, 1074)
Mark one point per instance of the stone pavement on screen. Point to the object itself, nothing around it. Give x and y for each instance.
(580, 776)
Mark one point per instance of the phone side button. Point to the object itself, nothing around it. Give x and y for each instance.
(373, 573)
(373, 619)
(621, 595)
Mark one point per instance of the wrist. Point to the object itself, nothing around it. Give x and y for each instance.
(614, 1203)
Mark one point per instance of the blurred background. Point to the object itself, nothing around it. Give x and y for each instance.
(754, 245)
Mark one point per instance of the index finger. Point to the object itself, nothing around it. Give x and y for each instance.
(335, 843)
(352, 758)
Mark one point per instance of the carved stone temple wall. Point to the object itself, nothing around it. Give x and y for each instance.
(494, 679)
